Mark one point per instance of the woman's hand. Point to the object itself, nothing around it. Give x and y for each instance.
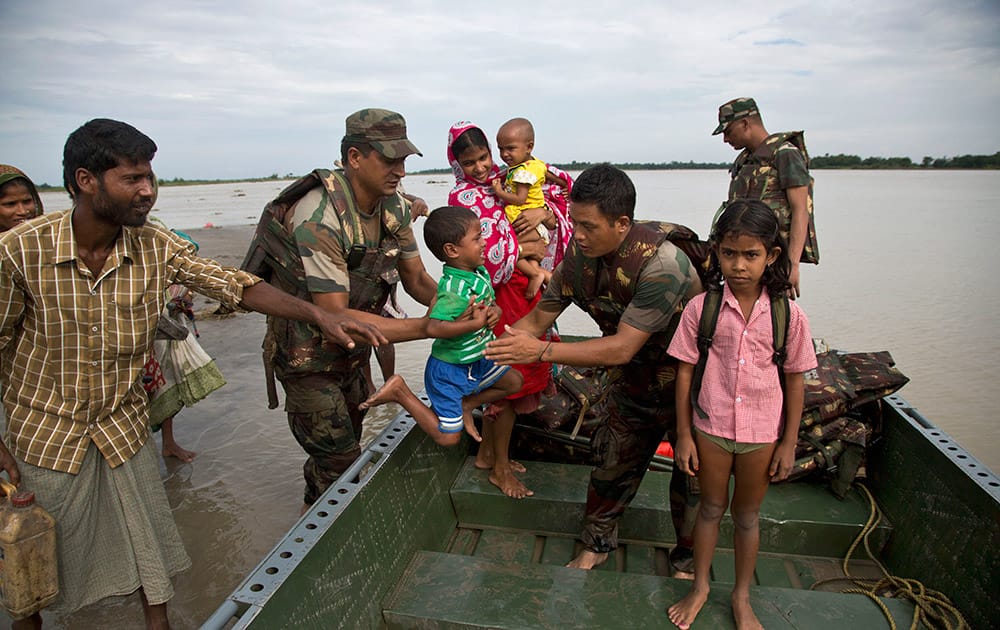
(530, 219)
(532, 250)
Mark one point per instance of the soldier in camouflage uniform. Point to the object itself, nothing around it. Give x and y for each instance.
(340, 239)
(773, 168)
(633, 282)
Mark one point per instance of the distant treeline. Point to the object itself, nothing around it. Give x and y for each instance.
(625, 166)
(842, 160)
(180, 181)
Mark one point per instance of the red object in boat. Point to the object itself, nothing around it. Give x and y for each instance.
(665, 449)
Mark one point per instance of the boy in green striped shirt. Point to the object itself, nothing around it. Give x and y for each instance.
(457, 378)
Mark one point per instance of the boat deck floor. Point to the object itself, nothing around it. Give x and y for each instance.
(504, 564)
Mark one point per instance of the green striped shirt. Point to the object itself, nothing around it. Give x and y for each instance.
(454, 290)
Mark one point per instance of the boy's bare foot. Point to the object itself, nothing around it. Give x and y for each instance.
(385, 394)
(682, 613)
(510, 485)
(744, 615)
(588, 559)
(173, 449)
(470, 426)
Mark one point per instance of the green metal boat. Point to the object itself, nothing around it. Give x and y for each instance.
(414, 536)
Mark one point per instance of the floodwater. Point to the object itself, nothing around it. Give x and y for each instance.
(904, 267)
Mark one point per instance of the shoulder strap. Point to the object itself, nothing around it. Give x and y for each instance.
(706, 331)
(779, 327)
(779, 330)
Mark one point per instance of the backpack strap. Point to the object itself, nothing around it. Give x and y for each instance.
(706, 331)
(779, 330)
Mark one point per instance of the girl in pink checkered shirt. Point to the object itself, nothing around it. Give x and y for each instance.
(750, 426)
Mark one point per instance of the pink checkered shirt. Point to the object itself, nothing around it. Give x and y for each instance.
(740, 391)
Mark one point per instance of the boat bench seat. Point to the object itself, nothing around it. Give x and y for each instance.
(796, 518)
(441, 590)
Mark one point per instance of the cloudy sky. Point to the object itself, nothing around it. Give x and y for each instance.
(249, 88)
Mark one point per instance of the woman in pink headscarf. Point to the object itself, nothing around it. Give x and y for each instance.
(471, 160)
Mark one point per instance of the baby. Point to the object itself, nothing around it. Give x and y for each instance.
(521, 190)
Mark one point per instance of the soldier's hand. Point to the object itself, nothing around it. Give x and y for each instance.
(344, 330)
(515, 347)
(793, 277)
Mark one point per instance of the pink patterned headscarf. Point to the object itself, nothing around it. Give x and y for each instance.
(557, 198)
(499, 239)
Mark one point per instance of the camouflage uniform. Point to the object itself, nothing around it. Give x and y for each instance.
(641, 406)
(313, 239)
(779, 163)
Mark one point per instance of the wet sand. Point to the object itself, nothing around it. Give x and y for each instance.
(243, 491)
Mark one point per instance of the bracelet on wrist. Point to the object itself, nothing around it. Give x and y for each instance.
(542, 353)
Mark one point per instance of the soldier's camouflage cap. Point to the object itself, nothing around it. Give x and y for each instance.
(384, 130)
(734, 110)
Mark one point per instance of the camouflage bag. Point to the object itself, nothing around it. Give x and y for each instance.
(581, 393)
(843, 414)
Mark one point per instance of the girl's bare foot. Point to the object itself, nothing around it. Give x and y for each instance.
(385, 394)
(587, 560)
(744, 615)
(682, 613)
(510, 485)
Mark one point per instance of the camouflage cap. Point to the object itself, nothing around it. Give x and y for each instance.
(384, 130)
(734, 110)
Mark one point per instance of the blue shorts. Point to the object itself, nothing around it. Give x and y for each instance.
(448, 383)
